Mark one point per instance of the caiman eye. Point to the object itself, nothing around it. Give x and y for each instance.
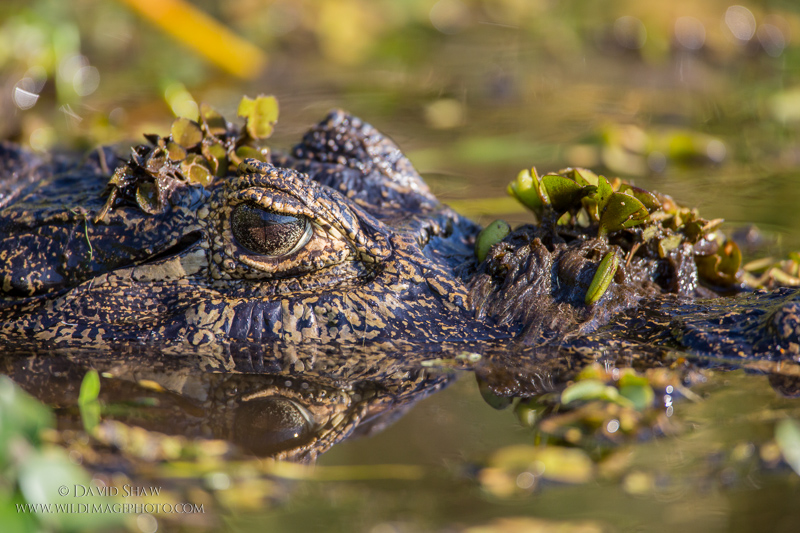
(265, 232)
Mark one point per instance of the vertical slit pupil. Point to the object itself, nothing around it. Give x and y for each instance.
(265, 232)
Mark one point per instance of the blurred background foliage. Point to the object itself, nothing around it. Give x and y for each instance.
(461, 84)
(686, 97)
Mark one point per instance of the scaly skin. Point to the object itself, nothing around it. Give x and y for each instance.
(385, 264)
(378, 265)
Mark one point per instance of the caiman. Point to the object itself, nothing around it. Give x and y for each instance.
(338, 241)
(207, 242)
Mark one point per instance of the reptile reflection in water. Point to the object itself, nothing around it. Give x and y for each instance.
(265, 407)
(282, 414)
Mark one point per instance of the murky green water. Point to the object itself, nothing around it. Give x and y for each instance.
(698, 112)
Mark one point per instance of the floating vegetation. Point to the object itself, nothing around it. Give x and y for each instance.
(576, 202)
(37, 474)
(603, 406)
(768, 272)
(88, 402)
(193, 153)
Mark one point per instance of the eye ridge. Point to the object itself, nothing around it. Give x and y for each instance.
(268, 233)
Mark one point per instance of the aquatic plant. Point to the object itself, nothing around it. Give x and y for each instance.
(577, 203)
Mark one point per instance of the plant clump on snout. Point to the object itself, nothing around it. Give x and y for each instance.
(195, 152)
(577, 204)
(598, 247)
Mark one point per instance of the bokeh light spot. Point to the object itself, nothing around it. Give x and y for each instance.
(449, 16)
(444, 113)
(690, 33)
(741, 22)
(86, 80)
(147, 523)
(25, 95)
(69, 67)
(525, 480)
(772, 39)
(716, 151)
(42, 138)
(630, 32)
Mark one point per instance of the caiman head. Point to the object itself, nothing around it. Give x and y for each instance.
(340, 241)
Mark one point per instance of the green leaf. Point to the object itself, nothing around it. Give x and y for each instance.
(489, 236)
(147, 198)
(216, 157)
(49, 477)
(592, 371)
(562, 191)
(213, 122)
(582, 176)
(621, 211)
(526, 188)
(175, 152)
(667, 244)
(588, 389)
(186, 132)
(640, 394)
(647, 198)
(603, 193)
(260, 114)
(13, 520)
(566, 465)
(90, 415)
(602, 278)
(722, 267)
(87, 400)
(247, 152)
(21, 415)
(629, 376)
(787, 436)
(529, 412)
(90, 387)
(195, 169)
